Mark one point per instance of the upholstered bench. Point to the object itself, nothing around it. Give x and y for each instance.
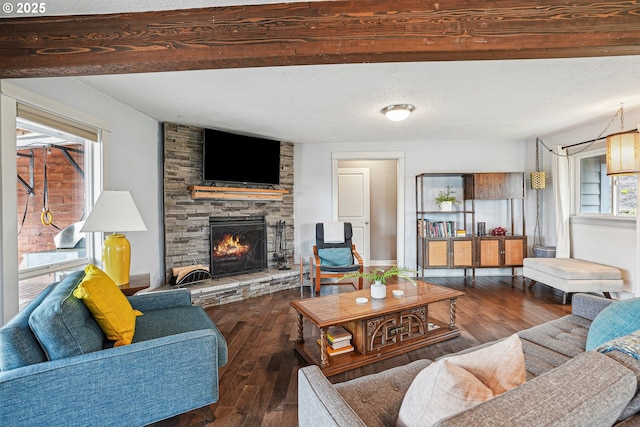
(572, 275)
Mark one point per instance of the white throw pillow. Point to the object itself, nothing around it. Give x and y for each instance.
(457, 383)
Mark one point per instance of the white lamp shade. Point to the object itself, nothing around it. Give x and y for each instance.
(623, 153)
(114, 211)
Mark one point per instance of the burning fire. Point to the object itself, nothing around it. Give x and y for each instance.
(230, 245)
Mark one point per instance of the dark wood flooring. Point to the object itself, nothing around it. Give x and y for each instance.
(258, 386)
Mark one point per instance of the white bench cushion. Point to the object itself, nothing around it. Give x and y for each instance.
(573, 269)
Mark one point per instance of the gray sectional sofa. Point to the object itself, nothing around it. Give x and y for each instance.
(566, 385)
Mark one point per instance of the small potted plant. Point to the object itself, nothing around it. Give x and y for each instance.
(378, 278)
(446, 199)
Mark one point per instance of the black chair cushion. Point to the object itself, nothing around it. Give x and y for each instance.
(340, 268)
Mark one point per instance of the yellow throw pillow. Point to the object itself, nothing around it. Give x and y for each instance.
(108, 305)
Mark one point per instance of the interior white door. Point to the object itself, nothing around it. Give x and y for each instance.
(353, 206)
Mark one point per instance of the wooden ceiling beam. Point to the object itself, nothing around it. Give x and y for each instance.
(325, 32)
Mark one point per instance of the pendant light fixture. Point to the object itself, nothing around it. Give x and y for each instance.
(538, 178)
(623, 151)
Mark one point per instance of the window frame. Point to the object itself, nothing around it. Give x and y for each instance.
(93, 167)
(576, 192)
(10, 95)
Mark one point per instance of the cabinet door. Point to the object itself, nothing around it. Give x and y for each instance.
(489, 252)
(514, 250)
(381, 332)
(488, 186)
(462, 253)
(438, 253)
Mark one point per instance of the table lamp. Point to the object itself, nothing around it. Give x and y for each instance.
(115, 212)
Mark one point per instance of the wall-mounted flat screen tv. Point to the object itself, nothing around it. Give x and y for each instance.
(233, 158)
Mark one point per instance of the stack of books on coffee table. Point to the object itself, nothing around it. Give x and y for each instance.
(338, 341)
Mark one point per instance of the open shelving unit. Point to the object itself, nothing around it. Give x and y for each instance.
(451, 239)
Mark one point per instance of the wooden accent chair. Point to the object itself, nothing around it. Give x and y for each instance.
(334, 258)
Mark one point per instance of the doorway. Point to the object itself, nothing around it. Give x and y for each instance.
(386, 222)
(354, 204)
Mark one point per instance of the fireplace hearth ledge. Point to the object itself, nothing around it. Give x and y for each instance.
(224, 290)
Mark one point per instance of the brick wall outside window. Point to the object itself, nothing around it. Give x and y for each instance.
(66, 197)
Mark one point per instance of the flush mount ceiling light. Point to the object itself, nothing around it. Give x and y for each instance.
(398, 112)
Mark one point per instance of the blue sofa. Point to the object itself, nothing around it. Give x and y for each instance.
(58, 369)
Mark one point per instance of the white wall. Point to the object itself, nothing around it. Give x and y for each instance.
(132, 160)
(312, 168)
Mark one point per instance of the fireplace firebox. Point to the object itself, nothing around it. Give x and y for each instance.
(237, 245)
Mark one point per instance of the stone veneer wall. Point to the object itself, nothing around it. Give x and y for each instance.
(186, 221)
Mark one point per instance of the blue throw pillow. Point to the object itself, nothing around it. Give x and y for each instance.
(335, 256)
(617, 320)
(629, 344)
(63, 325)
(18, 345)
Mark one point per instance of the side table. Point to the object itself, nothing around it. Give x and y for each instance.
(306, 277)
(137, 282)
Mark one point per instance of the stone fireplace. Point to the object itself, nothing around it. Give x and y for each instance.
(187, 228)
(238, 245)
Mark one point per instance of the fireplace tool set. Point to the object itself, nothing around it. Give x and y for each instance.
(280, 254)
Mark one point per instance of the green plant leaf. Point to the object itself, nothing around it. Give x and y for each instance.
(381, 275)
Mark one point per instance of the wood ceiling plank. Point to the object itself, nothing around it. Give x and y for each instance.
(324, 32)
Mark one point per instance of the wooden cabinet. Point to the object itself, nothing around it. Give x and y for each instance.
(501, 251)
(514, 250)
(494, 186)
(382, 333)
(489, 252)
(437, 255)
(450, 239)
(462, 252)
(449, 253)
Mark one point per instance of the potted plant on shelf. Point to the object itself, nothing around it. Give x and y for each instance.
(378, 278)
(446, 199)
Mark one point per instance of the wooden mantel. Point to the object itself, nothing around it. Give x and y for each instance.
(199, 192)
(323, 32)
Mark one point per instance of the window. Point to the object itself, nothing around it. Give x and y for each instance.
(601, 194)
(56, 170)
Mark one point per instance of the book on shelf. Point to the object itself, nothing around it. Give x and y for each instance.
(339, 344)
(333, 351)
(337, 334)
(435, 229)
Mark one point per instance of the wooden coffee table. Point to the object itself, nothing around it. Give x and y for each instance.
(381, 328)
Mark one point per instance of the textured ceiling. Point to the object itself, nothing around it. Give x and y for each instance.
(513, 99)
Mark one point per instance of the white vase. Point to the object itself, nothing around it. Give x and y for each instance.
(378, 290)
(446, 206)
